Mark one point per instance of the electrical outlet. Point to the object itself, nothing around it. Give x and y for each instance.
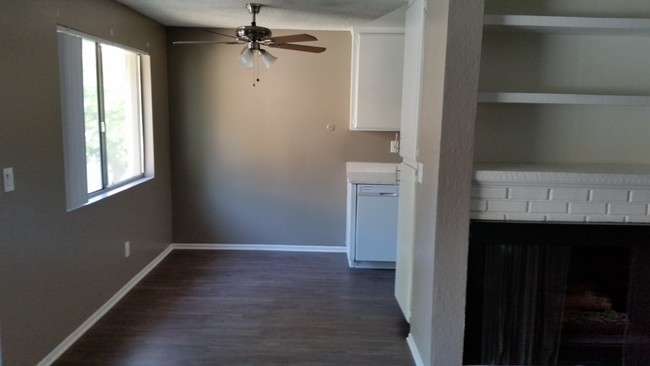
(127, 249)
(8, 177)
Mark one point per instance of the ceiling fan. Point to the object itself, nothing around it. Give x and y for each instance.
(254, 36)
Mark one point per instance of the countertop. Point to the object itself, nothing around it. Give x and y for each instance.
(371, 173)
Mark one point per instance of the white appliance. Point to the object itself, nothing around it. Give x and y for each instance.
(375, 240)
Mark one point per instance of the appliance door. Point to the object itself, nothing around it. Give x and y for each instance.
(376, 232)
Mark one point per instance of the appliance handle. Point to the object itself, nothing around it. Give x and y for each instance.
(377, 194)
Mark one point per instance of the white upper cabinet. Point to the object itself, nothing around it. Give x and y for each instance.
(377, 67)
(413, 33)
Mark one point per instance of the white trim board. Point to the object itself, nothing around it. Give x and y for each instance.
(414, 350)
(265, 247)
(83, 328)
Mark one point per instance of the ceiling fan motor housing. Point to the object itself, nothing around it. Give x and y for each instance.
(253, 33)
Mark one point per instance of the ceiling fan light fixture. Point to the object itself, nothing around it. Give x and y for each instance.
(246, 58)
(267, 58)
(254, 36)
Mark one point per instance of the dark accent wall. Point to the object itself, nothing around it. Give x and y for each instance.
(56, 267)
(256, 164)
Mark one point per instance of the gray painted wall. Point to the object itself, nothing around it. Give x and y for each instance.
(452, 39)
(57, 268)
(257, 164)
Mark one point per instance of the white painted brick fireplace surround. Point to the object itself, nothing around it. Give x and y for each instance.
(561, 194)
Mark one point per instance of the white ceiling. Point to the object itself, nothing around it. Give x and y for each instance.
(279, 14)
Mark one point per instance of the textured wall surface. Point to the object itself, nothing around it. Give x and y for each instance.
(451, 63)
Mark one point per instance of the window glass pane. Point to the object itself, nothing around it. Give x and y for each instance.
(122, 114)
(91, 116)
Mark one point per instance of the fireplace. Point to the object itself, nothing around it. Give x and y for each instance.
(558, 294)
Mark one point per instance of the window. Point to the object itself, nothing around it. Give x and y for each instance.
(106, 116)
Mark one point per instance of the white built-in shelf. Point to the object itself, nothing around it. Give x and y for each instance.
(556, 98)
(560, 24)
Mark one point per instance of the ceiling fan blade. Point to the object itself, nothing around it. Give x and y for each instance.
(293, 38)
(298, 47)
(221, 34)
(205, 42)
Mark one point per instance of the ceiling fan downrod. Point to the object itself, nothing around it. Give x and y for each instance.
(254, 9)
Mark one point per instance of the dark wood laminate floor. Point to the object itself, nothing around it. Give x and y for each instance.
(251, 308)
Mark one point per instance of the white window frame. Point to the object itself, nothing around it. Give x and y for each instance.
(72, 111)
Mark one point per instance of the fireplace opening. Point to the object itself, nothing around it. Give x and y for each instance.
(558, 294)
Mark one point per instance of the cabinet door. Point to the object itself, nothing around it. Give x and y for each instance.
(377, 81)
(411, 84)
(405, 239)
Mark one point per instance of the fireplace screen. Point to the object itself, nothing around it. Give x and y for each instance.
(558, 294)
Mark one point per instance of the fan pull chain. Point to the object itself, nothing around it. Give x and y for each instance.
(256, 75)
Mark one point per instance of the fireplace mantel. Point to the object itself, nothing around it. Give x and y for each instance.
(561, 193)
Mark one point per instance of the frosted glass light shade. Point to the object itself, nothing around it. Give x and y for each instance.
(246, 58)
(267, 58)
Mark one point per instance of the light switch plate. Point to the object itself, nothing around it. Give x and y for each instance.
(394, 147)
(8, 177)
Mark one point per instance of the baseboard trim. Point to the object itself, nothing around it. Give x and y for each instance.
(83, 328)
(266, 247)
(415, 353)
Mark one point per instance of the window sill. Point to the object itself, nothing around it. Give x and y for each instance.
(112, 192)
